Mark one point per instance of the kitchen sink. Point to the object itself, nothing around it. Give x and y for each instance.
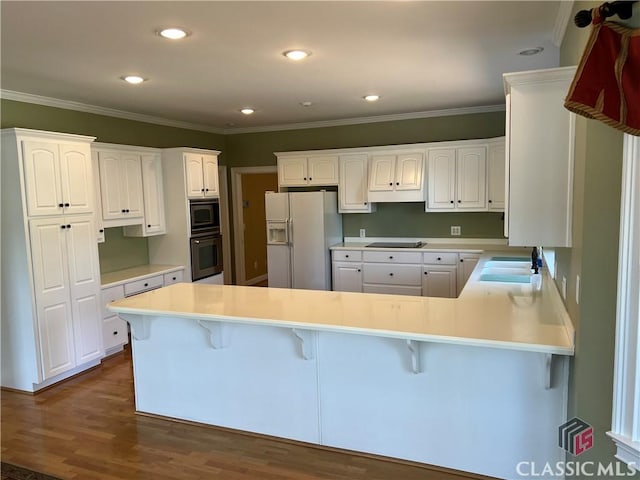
(506, 278)
(506, 271)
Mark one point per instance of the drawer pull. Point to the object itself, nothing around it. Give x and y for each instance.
(146, 284)
(390, 257)
(439, 258)
(391, 274)
(359, 270)
(426, 273)
(173, 278)
(346, 256)
(115, 332)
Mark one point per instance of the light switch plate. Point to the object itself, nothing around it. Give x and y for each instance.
(363, 233)
(456, 230)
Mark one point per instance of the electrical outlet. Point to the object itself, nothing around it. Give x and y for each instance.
(577, 289)
(455, 230)
(564, 287)
(363, 233)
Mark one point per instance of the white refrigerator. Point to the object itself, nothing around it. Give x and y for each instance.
(301, 226)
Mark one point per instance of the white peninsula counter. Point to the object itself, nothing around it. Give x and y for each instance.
(477, 383)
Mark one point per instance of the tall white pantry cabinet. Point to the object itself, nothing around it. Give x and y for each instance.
(50, 272)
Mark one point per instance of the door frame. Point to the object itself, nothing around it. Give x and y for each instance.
(238, 220)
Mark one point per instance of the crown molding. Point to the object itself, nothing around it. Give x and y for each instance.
(83, 107)
(376, 119)
(562, 20)
(110, 112)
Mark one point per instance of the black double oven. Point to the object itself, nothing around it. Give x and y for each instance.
(206, 240)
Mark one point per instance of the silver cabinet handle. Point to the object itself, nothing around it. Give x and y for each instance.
(197, 242)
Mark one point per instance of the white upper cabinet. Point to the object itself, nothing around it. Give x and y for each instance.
(496, 187)
(352, 188)
(540, 142)
(120, 187)
(396, 177)
(201, 175)
(153, 194)
(457, 178)
(441, 174)
(58, 177)
(300, 171)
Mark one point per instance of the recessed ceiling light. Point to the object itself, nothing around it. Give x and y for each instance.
(306, 104)
(133, 79)
(531, 51)
(296, 55)
(372, 98)
(173, 33)
(247, 111)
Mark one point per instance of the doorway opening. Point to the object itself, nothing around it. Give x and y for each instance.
(250, 240)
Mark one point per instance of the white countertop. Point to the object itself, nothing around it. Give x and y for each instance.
(118, 277)
(470, 245)
(487, 314)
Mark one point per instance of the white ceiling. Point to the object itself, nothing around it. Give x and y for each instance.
(418, 56)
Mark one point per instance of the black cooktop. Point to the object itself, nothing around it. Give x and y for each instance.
(396, 244)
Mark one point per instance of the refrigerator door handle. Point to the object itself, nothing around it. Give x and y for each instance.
(290, 227)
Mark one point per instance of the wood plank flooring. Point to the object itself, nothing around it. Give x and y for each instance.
(86, 429)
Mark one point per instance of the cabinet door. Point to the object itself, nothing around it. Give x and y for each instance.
(292, 171)
(152, 190)
(495, 177)
(408, 174)
(439, 281)
(98, 203)
(210, 172)
(441, 172)
(42, 178)
(347, 277)
(194, 176)
(76, 173)
(468, 262)
(471, 178)
(382, 173)
(323, 170)
(110, 178)
(84, 283)
(131, 183)
(52, 295)
(353, 183)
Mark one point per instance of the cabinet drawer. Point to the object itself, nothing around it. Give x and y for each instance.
(391, 256)
(172, 277)
(347, 255)
(114, 332)
(392, 274)
(393, 289)
(435, 258)
(138, 286)
(108, 295)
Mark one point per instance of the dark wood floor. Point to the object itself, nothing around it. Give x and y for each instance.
(86, 429)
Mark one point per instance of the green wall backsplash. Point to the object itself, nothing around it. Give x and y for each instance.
(410, 220)
(119, 252)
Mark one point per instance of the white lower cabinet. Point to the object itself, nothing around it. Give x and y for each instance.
(115, 331)
(347, 270)
(467, 263)
(397, 273)
(439, 274)
(66, 278)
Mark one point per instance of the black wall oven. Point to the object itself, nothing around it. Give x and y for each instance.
(206, 256)
(206, 241)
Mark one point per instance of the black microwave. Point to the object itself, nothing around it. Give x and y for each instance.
(205, 216)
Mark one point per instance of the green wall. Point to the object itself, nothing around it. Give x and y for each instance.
(594, 256)
(119, 252)
(390, 220)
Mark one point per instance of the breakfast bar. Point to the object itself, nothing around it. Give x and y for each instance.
(476, 383)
